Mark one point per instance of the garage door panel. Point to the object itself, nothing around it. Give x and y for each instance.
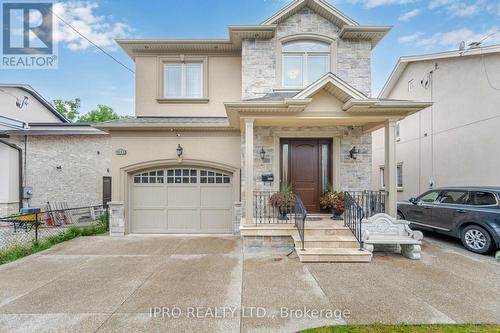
(216, 197)
(216, 220)
(187, 220)
(149, 196)
(148, 221)
(183, 197)
(198, 202)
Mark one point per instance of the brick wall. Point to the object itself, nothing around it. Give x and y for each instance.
(84, 160)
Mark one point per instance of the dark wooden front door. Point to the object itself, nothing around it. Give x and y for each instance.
(305, 169)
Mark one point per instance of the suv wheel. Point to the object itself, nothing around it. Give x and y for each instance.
(476, 239)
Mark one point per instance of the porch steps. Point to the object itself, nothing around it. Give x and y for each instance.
(329, 241)
(333, 255)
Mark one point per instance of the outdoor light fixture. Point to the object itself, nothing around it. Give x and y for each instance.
(262, 154)
(179, 152)
(353, 153)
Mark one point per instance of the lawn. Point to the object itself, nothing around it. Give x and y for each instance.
(20, 251)
(469, 328)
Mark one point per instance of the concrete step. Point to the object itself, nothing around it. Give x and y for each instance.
(328, 241)
(333, 255)
(327, 231)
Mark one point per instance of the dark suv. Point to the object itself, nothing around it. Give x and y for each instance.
(469, 213)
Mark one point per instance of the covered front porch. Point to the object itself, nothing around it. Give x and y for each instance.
(314, 140)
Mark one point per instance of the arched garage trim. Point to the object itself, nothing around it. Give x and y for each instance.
(127, 172)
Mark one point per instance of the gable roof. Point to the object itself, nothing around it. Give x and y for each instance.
(403, 62)
(321, 7)
(342, 90)
(27, 88)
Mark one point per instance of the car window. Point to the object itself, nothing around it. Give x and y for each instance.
(454, 197)
(478, 198)
(430, 196)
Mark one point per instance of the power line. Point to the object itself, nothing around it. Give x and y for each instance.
(91, 42)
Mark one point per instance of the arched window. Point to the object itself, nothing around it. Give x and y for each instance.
(304, 61)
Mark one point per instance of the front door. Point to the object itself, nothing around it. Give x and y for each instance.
(306, 167)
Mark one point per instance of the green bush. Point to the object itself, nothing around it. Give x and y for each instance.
(19, 251)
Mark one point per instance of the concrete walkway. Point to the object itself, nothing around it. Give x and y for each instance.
(141, 283)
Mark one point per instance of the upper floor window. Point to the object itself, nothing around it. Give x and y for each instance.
(183, 80)
(304, 62)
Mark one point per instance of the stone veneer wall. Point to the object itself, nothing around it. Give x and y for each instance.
(354, 174)
(84, 160)
(259, 56)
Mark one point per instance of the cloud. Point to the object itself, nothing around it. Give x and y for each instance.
(378, 3)
(410, 38)
(454, 37)
(458, 8)
(494, 8)
(408, 15)
(102, 30)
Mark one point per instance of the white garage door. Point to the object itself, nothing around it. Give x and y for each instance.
(181, 200)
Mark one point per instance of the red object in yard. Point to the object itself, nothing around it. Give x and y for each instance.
(50, 223)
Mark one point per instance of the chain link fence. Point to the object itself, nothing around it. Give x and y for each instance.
(19, 229)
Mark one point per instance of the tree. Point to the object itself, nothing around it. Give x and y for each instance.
(69, 109)
(102, 113)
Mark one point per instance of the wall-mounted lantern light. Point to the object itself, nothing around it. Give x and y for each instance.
(262, 154)
(179, 152)
(353, 153)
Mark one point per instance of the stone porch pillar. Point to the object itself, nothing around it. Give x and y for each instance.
(116, 219)
(390, 167)
(249, 169)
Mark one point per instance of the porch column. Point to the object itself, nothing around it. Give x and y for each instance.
(249, 169)
(390, 167)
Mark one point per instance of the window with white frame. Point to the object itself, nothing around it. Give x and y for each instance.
(399, 176)
(398, 130)
(304, 62)
(183, 80)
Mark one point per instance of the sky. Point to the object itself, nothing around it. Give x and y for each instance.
(419, 27)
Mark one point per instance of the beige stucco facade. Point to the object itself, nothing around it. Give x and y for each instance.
(453, 142)
(151, 150)
(223, 82)
(244, 109)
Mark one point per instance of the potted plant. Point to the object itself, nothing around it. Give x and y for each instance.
(334, 201)
(284, 200)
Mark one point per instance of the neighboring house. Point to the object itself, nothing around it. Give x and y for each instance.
(215, 119)
(454, 141)
(47, 158)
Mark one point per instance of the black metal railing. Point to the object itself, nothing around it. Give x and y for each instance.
(353, 215)
(300, 218)
(273, 207)
(280, 208)
(372, 202)
(18, 229)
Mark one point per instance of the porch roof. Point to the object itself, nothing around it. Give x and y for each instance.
(280, 108)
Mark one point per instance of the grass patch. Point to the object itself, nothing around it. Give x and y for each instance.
(19, 251)
(378, 328)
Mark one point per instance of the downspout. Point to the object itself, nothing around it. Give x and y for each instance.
(20, 164)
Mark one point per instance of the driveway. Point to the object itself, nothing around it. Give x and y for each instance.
(141, 283)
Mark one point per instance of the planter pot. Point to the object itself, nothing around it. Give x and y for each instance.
(283, 214)
(337, 214)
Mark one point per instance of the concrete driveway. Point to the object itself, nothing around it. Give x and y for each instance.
(141, 283)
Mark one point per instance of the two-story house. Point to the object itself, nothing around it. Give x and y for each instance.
(451, 142)
(219, 122)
